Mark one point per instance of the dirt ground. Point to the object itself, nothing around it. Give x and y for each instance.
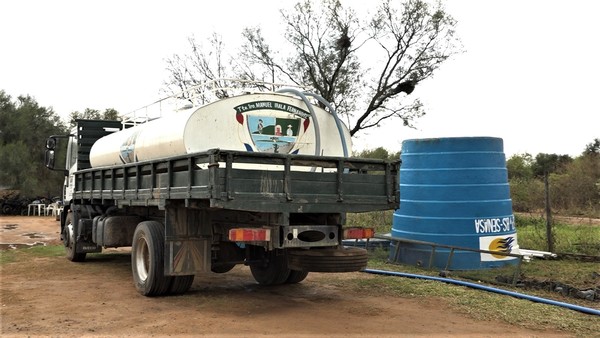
(51, 296)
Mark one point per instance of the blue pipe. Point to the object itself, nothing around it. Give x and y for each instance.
(488, 288)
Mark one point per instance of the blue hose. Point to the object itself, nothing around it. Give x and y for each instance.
(488, 288)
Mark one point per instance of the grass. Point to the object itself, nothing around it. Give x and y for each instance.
(478, 304)
(531, 232)
(381, 221)
(9, 256)
(568, 238)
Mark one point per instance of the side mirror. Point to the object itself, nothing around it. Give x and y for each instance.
(49, 160)
(50, 144)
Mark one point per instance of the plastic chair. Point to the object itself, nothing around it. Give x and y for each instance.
(52, 209)
(31, 209)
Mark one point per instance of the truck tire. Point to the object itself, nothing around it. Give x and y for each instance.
(296, 276)
(274, 272)
(222, 268)
(70, 241)
(180, 284)
(328, 260)
(147, 260)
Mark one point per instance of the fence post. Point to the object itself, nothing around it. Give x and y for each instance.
(549, 237)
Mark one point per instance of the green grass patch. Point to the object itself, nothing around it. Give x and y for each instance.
(381, 221)
(484, 305)
(13, 255)
(578, 239)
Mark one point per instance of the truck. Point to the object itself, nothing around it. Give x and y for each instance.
(261, 178)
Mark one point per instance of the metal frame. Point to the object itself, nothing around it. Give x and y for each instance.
(451, 254)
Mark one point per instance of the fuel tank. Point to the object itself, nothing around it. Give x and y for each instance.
(262, 122)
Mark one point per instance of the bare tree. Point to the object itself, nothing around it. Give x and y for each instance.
(415, 40)
(202, 65)
(361, 65)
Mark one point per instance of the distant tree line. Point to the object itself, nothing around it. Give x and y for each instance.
(574, 183)
(24, 128)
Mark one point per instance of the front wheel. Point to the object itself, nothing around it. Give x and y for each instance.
(147, 261)
(70, 241)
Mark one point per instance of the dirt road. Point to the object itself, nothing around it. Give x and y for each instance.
(50, 296)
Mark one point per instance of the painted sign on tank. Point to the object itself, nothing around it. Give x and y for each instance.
(503, 244)
(273, 133)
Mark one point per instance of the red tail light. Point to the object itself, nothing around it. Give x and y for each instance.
(358, 233)
(249, 235)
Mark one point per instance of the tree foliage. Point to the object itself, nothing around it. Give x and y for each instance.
(24, 127)
(93, 114)
(403, 42)
(549, 163)
(378, 153)
(593, 148)
(574, 182)
(519, 166)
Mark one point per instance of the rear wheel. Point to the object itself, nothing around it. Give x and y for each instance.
(296, 276)
(181, 284)
(221, 268)
(273, 271)
(147, 261)
(70, 241)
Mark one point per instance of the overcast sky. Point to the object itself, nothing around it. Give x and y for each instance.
(529, 73)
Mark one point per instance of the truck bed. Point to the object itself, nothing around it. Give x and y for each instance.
(225, 179)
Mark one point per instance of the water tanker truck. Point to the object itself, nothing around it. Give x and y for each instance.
(262, 179)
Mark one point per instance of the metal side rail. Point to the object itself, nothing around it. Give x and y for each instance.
(453, 249)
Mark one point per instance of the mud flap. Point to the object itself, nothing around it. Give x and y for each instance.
(187, 250)
(83, 246)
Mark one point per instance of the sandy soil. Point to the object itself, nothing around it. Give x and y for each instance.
(55, 297)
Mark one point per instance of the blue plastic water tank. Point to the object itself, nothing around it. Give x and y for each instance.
(454, 191)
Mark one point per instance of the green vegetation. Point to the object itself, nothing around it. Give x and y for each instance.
(534, 278)
(9, 256)
(574, 183)
(568, 238)
(24, 128)
(381, 221)
(485, 305)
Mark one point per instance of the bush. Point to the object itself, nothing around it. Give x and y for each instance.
(527, 194)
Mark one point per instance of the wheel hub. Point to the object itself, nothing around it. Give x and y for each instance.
(68, 235)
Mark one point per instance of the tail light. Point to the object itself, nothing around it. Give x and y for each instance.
(249, 235)
(358, 233)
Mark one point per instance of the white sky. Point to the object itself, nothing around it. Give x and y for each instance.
(529, 74)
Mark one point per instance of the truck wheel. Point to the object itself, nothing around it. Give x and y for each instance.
(328, 260)
(296, 276)
(70, 241)
(274, 272)
(147, 260)
(181, 284)
(222, 268)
